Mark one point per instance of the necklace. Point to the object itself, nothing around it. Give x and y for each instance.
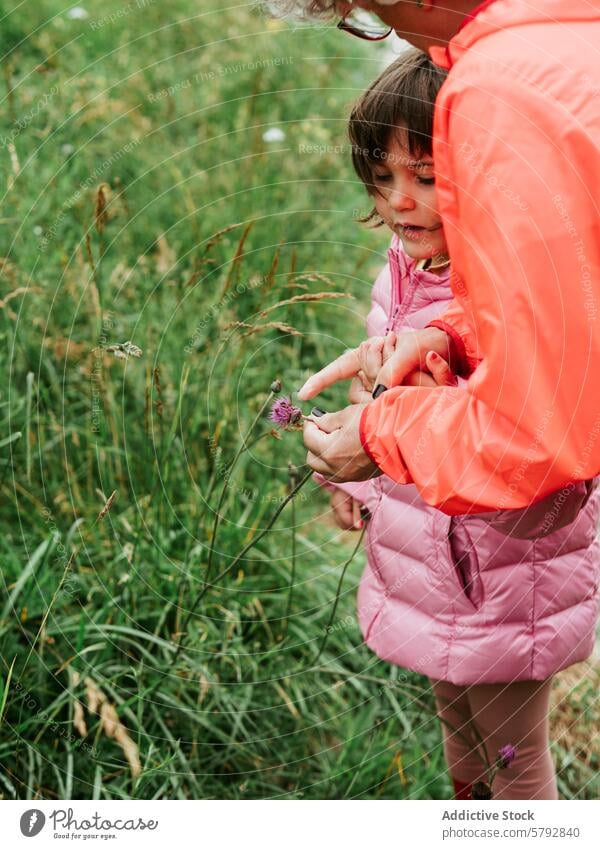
(439, 261)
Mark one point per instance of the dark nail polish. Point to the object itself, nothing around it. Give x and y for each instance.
(379, 390)
(317, 411)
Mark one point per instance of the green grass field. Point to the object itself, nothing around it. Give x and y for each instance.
(142, 202)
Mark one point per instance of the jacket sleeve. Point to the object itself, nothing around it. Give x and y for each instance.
(515, 188)
(545, 517)
(357, 489)
(464, 353)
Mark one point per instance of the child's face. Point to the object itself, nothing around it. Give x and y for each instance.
(406, 199)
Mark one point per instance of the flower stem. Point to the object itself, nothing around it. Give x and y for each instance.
(200, 516)
(243, 447)
(406, 688)
(338, 593)
(235, 561)
(288, 609)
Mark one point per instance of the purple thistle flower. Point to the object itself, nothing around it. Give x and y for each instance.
(284, 414)
(506, 755)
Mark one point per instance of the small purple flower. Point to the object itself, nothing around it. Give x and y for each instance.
(284, 414)
(506, 755)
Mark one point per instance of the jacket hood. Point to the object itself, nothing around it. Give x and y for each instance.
(494, 15)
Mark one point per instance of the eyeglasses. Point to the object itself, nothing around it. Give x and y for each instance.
(364, 25)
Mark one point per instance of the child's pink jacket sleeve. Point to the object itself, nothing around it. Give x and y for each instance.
(357, 489)
(516, 172)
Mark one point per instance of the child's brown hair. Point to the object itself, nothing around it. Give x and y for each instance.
(401, 98)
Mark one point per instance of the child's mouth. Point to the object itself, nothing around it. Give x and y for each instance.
(411, 232)
(414, 232)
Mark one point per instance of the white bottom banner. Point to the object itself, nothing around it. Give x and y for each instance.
(298, 824)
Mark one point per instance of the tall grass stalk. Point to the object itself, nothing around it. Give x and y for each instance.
(217, 519)
(28, 432)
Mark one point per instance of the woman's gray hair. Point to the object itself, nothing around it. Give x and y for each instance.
(301, 10)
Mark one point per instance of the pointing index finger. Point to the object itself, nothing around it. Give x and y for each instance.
(346, 366)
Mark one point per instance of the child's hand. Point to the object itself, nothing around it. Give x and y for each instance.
(346, 511)
(374, 352)
(411, 348)
(371, 355)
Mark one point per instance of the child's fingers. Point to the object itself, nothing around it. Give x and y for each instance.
(341, 369)
(370, 354)
(343, 514)
(389, 345)
(356, 516)
(440, 370)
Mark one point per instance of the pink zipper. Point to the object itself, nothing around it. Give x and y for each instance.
(396, 288)
(399, 305)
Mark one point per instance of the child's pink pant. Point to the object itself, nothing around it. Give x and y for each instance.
(514, 713)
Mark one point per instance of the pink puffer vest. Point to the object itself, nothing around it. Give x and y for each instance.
(452, 597)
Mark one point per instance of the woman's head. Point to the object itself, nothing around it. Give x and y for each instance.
(421, 22)
(390, 130)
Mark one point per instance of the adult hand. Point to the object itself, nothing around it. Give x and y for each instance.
(334, 446)
(438, 374)
(333, 439)
(411, 349)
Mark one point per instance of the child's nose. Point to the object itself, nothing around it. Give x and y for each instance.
(401, 200)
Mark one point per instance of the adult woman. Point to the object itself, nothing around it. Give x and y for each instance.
(517, 151)
(517, 159)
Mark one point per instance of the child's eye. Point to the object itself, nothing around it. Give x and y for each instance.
(382, 178)
(426, 181)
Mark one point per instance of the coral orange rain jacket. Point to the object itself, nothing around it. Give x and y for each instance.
(451, 597)
(517, 150)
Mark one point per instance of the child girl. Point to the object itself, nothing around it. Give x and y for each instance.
(488, 617)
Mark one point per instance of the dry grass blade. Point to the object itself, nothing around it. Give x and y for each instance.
(317, 296)
(313, 277)
(574, 695)
(271, 273)
(109, 503)
(204, 688)
(115, 729)
(166, 258)
(235, 262)
(218, 236)
(288, 702)
(270, 325)
(79, 719)
(78, 715)
(15, 164)
(112, 725)
(158, 387)
(22, 290)
(100, 215)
